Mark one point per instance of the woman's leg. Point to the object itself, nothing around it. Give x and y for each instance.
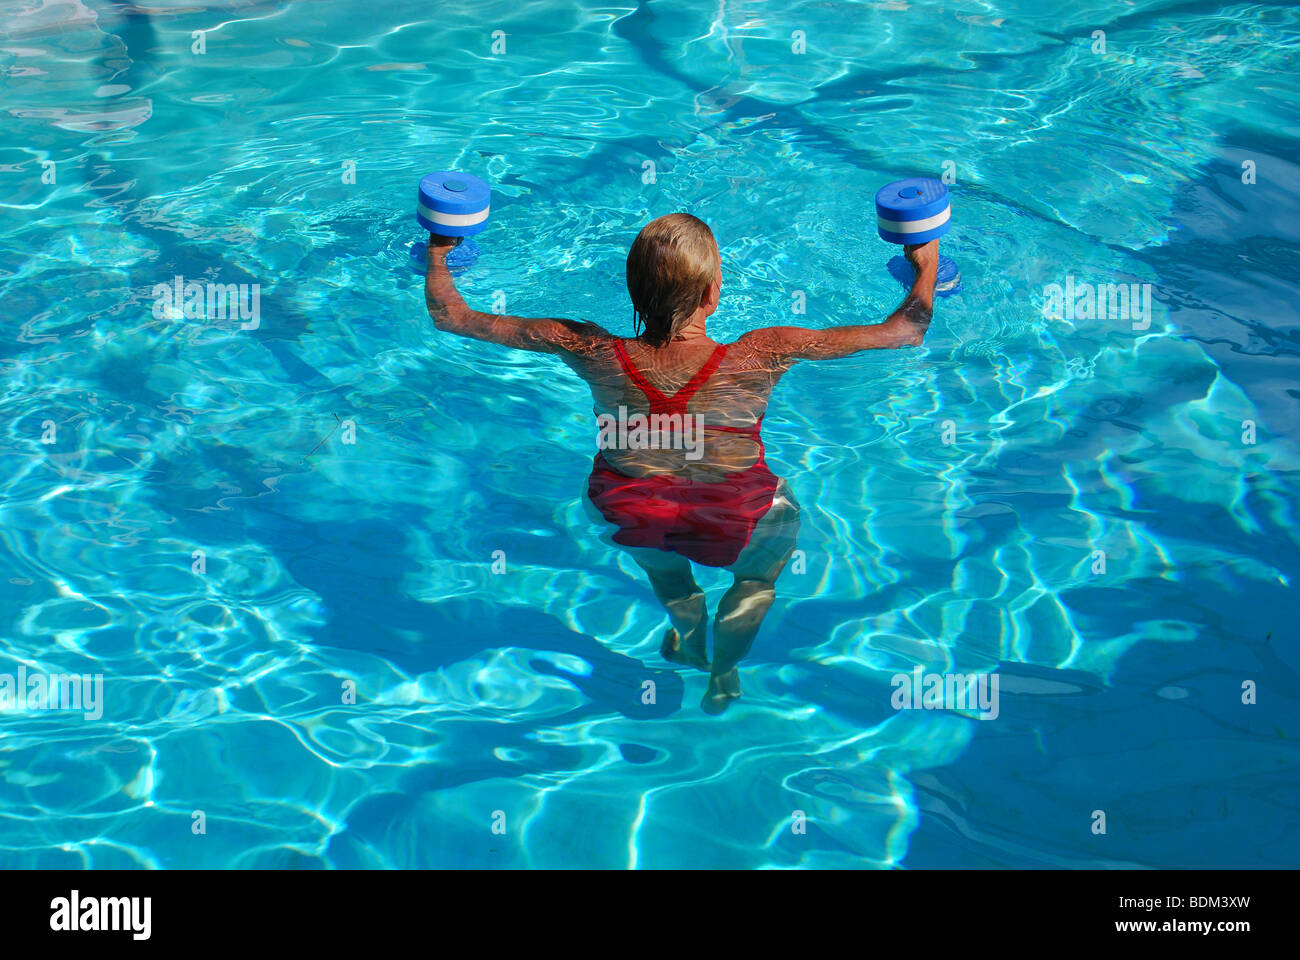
(742, 608)
(674, 584)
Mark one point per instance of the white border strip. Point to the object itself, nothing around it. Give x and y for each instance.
(914, 226)
(452, 219)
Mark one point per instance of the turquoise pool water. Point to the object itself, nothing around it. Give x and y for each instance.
(133, 436)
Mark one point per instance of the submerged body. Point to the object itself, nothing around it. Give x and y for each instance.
(691, 485)
(681, 475)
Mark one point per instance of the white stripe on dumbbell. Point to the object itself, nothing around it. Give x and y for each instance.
(452, 219)
(914, 226)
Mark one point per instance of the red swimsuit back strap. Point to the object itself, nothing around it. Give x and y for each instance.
(683, 396)
(677, 402)
(633, 374)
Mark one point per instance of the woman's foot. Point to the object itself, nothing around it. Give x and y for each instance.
(723, 691)
(671, 650)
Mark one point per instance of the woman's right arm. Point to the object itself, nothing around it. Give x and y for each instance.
(451, 314)
(905, 327)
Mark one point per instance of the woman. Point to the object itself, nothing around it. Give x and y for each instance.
(681, 473)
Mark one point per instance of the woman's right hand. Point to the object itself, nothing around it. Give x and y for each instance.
(443, 244)
(923, 256)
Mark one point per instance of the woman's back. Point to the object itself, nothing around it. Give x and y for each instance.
(700, 424)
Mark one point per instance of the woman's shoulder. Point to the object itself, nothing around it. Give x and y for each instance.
(755, 350)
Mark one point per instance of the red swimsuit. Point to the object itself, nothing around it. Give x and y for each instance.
(709, 523)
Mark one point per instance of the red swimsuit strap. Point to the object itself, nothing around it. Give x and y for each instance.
(683, 396)
(633, 374)
(752, 430)
(677, 402)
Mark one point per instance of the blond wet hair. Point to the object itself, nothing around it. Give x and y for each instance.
(669, 268)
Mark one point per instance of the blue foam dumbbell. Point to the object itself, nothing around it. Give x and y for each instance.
(913, 211)
(451, 205)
